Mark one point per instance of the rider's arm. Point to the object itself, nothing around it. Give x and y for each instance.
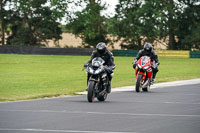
(139, 55)
(110, 63)
(156, 58)
(92, 57)
(137, 58)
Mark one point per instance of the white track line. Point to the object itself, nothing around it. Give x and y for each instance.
(58, 131)
(167, 102)
(161, 85)
(37, 99)
(157, 85)
(98, 113)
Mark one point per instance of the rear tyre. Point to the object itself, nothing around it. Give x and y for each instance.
(91, 95)
(139, 83)
(102, 97)
(145, 89)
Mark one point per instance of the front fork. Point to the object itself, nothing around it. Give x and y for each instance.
(148, 73)
(137, 72)
(100, 78)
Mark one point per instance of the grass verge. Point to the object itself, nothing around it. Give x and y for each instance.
(36, 76)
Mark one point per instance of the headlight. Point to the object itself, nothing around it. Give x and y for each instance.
(90, 70)
(146, 67)
(99, 70)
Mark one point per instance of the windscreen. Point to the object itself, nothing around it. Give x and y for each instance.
(96, 62)
(145, 60)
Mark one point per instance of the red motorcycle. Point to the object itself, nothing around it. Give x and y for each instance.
(143, 73)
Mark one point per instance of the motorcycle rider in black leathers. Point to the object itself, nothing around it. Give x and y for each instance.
(107, 56)
(148, 51)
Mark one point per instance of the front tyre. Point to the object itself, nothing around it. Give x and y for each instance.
(91, 95)
(102, 97)
(139, 83)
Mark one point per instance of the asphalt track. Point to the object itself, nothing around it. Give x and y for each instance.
(165, 109)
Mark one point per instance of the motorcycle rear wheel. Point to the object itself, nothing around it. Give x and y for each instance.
(91, 95)
(146, 89)
(138, 86)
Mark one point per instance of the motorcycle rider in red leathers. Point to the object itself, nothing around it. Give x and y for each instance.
(148, 51)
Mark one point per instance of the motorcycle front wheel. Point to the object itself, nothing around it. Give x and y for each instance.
(138, 86)
(91, 95)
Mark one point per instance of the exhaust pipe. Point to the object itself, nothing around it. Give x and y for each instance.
(146, 84)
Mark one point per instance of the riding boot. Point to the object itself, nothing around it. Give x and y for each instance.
(153, 78)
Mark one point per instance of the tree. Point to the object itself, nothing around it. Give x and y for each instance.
(137, 22)
(189, 26)
(172, 9)
(33, 22)
(153, 20)
(2, 21)
(126, 23)
(89, 24)
(140, 21)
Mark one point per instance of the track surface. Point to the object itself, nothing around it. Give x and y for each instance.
(162, 110)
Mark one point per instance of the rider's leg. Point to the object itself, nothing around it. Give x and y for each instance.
(155, 70)
(109, 82)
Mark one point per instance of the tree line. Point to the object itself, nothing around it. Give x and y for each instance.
(34, 22)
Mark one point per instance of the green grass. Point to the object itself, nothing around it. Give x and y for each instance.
(37, 76)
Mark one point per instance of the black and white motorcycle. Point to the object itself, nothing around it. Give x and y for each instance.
(98, 81)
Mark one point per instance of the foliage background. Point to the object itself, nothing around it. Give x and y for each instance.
(136, 22)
